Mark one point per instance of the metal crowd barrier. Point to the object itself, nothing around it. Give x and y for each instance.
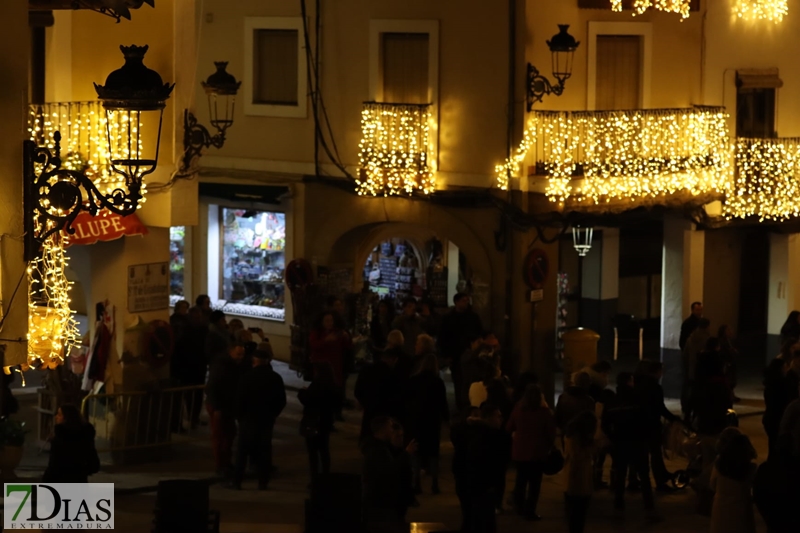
(144, 419)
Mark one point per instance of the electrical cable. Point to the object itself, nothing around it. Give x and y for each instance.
(11, 301)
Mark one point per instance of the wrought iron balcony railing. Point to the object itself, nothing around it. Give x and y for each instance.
(767, 179)
(625, 155)
(396, 150)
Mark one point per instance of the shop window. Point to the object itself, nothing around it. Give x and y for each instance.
(275, 81)
(253, 261)
(619, 72)
(404, 63)
(394, 271)
(177, 261)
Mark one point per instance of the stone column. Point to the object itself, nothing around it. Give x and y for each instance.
(681, 279)
(600, 288)
(784, 286)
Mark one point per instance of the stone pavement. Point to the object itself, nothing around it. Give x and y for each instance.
(281, 508)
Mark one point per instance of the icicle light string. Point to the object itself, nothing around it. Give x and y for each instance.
(681, 7)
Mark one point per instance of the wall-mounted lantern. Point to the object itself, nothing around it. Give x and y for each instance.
(221, 88)
(582, 239)
(562, 47)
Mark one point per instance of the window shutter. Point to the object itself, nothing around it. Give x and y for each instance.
(275, 65)
(405, 68)
(619, 72)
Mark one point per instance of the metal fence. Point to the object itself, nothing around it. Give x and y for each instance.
(144, 419)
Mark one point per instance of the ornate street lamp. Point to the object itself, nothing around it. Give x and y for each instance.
(562, 47)
(582, 240)
(221, 88)
(134, 98)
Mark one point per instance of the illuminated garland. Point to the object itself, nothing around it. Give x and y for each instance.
(626, 154)
(396, 153)
(773, 10)
(52, 330)
(671, 6)
(767, 181)
(84, 139)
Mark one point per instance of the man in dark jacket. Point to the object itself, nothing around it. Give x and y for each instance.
(650, 396)
(221, 390)
(378, 390)
(575, 400)
(386, 477)
(218, 339)
(458, 329)
(479, 460)
(690, 324)
(261, 398)
(624, 422)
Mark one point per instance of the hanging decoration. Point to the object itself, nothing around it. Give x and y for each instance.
(625, 155)
(670, 6)
(52, 330)
(396, 153)
(767, 183)
(773, 10)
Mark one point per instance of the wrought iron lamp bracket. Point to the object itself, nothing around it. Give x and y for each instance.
(539, 86)
(196, 137)
(55, 196)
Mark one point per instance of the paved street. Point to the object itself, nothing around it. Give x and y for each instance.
(282, 506)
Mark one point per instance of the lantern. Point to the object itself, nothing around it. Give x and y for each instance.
(221, 88)
(562, 47)
(582, 240)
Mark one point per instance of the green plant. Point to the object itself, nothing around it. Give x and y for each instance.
(12, 432)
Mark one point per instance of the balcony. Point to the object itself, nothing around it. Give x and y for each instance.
(396, 150)
(767, 180)
(651, 156)
(84, 138)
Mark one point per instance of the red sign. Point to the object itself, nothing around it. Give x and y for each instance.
(536, 268)
(106, 226)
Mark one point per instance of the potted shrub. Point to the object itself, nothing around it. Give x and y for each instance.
(12, 437)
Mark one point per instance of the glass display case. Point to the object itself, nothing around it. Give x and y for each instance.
(253, 261)
(177, 262)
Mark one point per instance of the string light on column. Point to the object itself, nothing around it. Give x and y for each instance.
(396, 152)
(681, 7)
(767, 183)
(773, 10)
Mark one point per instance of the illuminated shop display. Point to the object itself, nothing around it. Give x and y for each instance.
(625, 154)
(396, 153)
(671, 6)
(767, 183)
(177, 263)
(52, 330)
(773, 10)
(253, 260)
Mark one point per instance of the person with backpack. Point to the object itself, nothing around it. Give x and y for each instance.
(73, 456)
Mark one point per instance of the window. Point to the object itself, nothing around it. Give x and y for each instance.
(275, 81)
(177, 260)
(405, 67)
(253, 261)
(619, 72)
(275, 67)
(755, 113)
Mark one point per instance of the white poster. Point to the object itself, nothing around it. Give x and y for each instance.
(148, 287)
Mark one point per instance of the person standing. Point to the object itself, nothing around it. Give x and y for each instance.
(732, 482)
(203, 304)
(690, 324)
(729, 355)
(649, 394)
(578, 453)
(533, 432)
(427, 410)
(458, 329)
(223, 382)
(319, 401)
(776, 399)
(378, 390)
(575, 400)
(410, 324)
(380, 326)
(694, 346)
(331, 344)
(218, 339)
(791, 328)
(73, 457)
(261, 399)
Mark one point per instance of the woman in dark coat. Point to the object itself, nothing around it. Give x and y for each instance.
(319, 405)
(73, 457)
(427, 409)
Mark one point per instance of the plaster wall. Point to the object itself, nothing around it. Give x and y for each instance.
(13, 129)
(673, 304)
(784, 287)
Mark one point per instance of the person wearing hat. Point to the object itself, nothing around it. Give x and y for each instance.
(261, 398)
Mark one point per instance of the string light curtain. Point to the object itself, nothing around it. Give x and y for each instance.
(773, 10)
(84, 139)
(396, 153)
(671, 6)
(767, 183)
(52, 330)
(626, 154)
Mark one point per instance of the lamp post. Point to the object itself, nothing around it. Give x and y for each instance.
(221, 88)
(562, 48)
(134, 98)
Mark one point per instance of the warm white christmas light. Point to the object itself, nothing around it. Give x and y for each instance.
(396, 152)
(671, 6)
(773, 10)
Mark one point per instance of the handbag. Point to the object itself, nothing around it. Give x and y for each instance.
(554, 462)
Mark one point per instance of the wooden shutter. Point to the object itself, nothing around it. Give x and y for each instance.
(619, 72)
(275, 66)
(405, 68)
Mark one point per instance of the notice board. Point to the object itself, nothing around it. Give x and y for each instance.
(148, 287)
